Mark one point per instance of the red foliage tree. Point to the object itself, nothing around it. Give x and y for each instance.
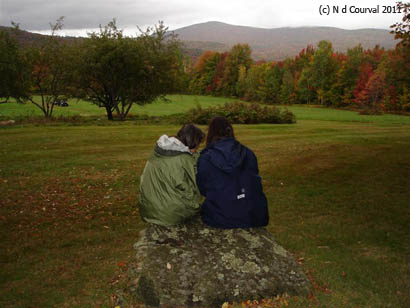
(366, 72)
(371, 97)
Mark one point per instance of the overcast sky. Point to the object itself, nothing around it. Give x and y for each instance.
(86, 15)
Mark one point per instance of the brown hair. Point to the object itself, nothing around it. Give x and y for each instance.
(190, 135)
(219, 128)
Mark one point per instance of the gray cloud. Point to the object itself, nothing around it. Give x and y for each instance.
(89, 14)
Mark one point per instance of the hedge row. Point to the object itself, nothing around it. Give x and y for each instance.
(241, 113)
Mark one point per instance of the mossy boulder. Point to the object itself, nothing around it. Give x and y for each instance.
(194, 265)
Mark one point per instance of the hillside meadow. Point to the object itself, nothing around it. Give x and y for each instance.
(337, 185)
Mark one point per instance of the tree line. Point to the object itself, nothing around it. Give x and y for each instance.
(373, 80)
(107, 69)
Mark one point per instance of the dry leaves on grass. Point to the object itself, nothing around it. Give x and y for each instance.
(277, 302)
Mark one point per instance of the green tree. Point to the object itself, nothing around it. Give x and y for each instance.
(13, 70)
(242, 84)
(273, 82)
(254, 83)
(324, 67)
(239, 56)
(115, 72)
(287, 90)
(305, 90)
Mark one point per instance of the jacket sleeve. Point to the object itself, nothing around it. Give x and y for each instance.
(201, 175)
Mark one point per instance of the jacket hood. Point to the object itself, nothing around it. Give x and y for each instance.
(170, 146)
(226, 154)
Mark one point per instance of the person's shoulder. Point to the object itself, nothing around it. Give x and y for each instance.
(248, 150)
(205, 152)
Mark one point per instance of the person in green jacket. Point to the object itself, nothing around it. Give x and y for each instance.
(168, 191)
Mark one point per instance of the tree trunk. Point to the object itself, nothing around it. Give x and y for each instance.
(109, 113)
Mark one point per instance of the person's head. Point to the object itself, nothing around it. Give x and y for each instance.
(219, 128)
(191, 136)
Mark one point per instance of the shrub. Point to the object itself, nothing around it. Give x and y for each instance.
(240, 113)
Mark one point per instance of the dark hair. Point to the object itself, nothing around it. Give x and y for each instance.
(190, 135)
(219, 128)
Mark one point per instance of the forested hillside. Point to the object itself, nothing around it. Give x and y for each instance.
(280, 43)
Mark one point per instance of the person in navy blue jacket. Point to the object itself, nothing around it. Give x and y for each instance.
(228, 177)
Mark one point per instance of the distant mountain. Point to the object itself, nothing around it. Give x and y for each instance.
(278, 43)
(268, 44)
(25, 38)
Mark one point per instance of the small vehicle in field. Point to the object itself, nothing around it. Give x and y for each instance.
(61, 103)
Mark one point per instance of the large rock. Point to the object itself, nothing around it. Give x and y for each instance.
(198, 266)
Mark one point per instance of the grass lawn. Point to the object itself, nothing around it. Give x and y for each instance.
(181, 103)
(338, 186)
(175, 104)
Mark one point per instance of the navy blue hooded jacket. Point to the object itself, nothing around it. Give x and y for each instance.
(228, 177)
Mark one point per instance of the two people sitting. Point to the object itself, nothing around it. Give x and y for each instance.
(225, 173)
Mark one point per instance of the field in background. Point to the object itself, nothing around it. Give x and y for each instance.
(175, 104)
(181, 103)
(337, 184)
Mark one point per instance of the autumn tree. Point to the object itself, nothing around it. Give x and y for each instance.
(371, 97)
(348, 75)
(207, 73)
(43, 72)
(304, 58)
(401, 30)
(114, 71)
(366, 72)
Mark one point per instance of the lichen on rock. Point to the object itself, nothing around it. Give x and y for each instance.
(194, 265)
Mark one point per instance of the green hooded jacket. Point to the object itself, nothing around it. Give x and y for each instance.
(168, 190)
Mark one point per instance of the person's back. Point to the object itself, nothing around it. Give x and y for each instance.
(228, 177)
(168, 190)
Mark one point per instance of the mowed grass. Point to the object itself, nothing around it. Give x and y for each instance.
(176, 104)
(172, 105)
(338, 191)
